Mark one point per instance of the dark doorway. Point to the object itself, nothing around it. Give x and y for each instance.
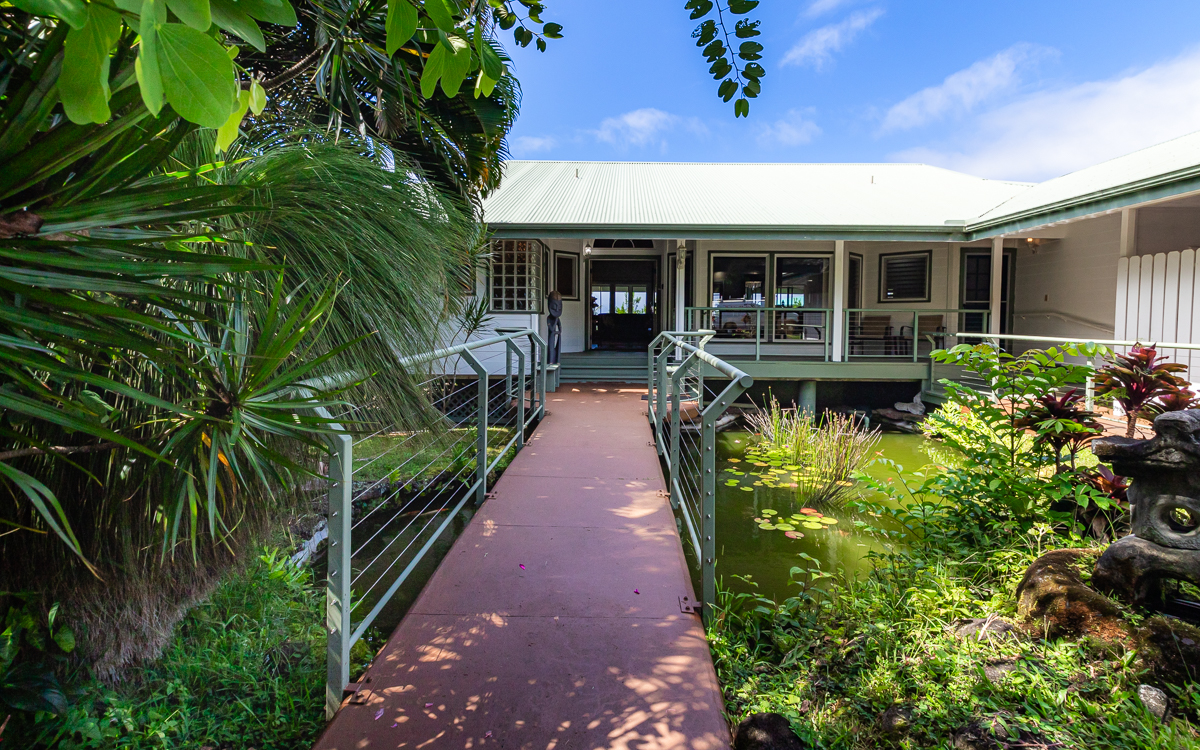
(624, 303)
(976, 289)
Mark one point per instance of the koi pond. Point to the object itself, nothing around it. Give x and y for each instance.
(763, 526)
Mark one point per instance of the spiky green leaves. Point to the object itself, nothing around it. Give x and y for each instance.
(713, 37)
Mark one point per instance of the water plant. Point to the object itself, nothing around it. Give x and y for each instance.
(819, 456)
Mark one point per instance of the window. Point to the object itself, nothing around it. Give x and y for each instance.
(904, 277)
(620, 299)
(566, 275)
(800, 282)
(738, 280)
(626, 244)
(517, 276)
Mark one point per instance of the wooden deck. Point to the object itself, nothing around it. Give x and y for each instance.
(554, 622)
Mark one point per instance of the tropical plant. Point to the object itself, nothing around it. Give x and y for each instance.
(31, 647)
(1061, 422)
(1136, 380)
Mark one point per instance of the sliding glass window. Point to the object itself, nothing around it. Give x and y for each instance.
(739, 284)
(802, 283)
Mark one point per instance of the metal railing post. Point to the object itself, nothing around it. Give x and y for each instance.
(757, 335)
(337, 587)
(708, 510)
(481, 417)
(515, 350)
(914, 335)
(676, 426)
(661, 409)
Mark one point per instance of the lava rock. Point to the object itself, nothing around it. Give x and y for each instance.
(767, 732)
(1154, 700)
(983, 628)
(1053, 599)
(997, 669)
(1170, 649)
(896, 720)
(973, 737)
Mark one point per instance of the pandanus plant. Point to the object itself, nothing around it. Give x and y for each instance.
(1137, 381)
(1062, 423)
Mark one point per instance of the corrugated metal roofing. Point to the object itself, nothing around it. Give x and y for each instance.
(567, 195)
(657, 194)
(1166, 161)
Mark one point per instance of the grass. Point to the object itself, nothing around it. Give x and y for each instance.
(246, 669)
(836, 659)
(399, 457)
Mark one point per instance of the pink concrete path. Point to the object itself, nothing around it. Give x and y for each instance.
(584, 646)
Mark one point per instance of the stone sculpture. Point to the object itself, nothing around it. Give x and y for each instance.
(1164, 500)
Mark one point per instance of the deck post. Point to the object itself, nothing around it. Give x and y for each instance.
(808, 396)
(840, 262)
(676, 426)
(481, 426)
(680, 282)
(708, 510)
(337, 587)
(997, 284)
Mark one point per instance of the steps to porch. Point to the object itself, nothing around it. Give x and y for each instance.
(603, 367)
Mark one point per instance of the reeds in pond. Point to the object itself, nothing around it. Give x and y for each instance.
(825, 452)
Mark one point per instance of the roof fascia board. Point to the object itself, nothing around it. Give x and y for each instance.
(700, 232)
(1145, 191)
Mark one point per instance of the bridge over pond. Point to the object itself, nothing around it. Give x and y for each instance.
(555, 620)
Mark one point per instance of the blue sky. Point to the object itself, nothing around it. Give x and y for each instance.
(1010, 90)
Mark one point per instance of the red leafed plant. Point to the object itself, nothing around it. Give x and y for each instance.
(1061, 422)
(1138, 379)
(1177, 400)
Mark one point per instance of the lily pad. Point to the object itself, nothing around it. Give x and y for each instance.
(769, 512)
(793, 534)
(746, 489)
(812, 525)
(767, 526)
(810, 512)
(735, 460)
(827, 520)
(785, 527)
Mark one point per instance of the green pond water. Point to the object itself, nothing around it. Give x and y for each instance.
(767, 556)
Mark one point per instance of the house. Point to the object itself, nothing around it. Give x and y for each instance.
(843, 273)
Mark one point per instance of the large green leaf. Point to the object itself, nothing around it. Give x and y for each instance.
(74, 12)
(149, 74)
(194, 13)
(228, 132)
(229, 16)
(280, 13)
(83, 82)
(441, 12)
(197, 75)
(401, 24)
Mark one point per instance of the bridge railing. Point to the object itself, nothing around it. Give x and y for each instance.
(684, 421)
(388, 510)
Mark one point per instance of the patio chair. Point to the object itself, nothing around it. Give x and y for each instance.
(872, 329)
(931, 326)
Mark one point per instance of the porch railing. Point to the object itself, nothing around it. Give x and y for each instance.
(765, 325)
(891, 333)
(387, 512)
(684, 421)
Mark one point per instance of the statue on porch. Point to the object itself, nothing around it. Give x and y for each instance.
(1164, 500)
(553, 327)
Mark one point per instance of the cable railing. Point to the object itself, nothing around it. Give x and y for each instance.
(684, 421)
(388, 510)
(893, 333)
(765, 326)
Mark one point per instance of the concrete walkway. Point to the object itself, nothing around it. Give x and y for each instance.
(554, 622)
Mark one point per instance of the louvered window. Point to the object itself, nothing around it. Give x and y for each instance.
(904, 278)
(517, 276)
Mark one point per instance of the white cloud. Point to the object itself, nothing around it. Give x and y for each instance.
(1054, 132)
(644, 127)
(817, 47)
(821, 7)
(793, 129)
(533, 144)
(963, 91)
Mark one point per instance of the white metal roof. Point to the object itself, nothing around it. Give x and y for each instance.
(686, 200)
(1165, 163)
(662, 195)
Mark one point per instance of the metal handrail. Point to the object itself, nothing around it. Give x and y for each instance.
(696, 503)
(342, 632)
(1072, 340)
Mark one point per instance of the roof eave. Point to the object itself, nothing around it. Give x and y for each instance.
(949, 233)
(1155, 188)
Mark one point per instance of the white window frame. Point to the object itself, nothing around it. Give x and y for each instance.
(506, 273)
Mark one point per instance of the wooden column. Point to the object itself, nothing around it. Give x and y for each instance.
(680, 284)
(836, 327)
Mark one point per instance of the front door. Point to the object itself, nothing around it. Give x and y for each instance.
(624, 303)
